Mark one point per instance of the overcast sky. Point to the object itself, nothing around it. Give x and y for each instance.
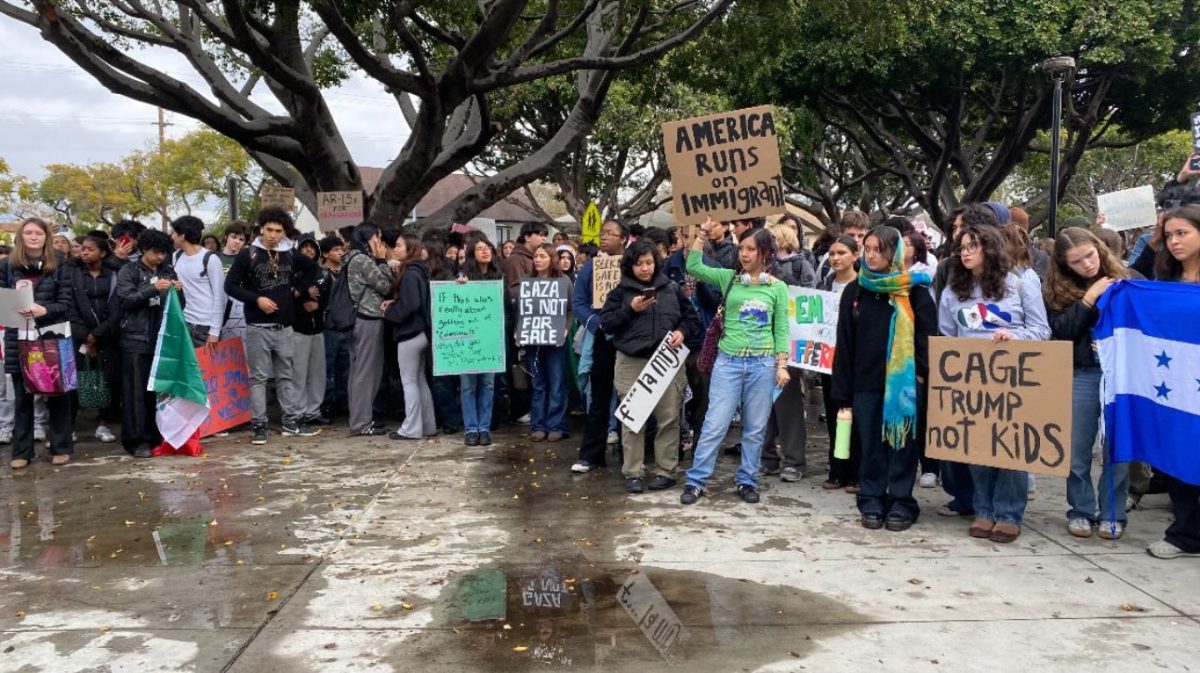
(53, 112)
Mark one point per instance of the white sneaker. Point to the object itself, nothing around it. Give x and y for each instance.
(524, 420)
(5, 436)
(612, 437)
(105, 435)
(928, 480)
(1032, 487)
(39, 434)
(1079, 527)
(1165, 550)
(582, 467)
(1111, 530)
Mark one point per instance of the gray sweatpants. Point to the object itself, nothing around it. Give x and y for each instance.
(268, 349)
(366, 367)
(308, 370)
(413, 355)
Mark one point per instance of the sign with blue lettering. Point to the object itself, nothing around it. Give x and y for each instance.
(228, 384)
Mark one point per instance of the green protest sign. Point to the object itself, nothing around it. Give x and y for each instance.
(468, 327)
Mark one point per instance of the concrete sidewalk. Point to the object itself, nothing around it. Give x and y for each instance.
(356, 554)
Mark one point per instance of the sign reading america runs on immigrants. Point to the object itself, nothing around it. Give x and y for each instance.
(724, 166)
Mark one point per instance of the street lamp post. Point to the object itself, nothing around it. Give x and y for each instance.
(1059, 68)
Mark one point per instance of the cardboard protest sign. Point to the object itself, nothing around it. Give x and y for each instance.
(1128, 208)
(542, 311)
(724, 165)
(606, 274)
(274, 195)
(660, 370)
(339, 209)
(468, 327)
(653, 615)
(1005, 405)
(812, 328)
(591, 224)
(227, 381)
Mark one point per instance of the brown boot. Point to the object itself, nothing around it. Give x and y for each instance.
(1005, 533)
(982, 528)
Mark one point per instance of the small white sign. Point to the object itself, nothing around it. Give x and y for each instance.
(651, 383)
(1128, 208)
(650, 611)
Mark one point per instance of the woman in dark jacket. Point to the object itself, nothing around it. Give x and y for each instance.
(411, 327)
(644, 308)
(34, 262)
(92, 279)
(885, 320)
(446, 403)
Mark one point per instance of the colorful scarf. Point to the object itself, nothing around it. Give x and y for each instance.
(900, 388)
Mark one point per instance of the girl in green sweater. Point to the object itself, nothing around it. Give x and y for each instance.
(751, 363)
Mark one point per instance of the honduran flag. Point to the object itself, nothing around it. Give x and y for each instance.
(175, 376)
(1149, 340)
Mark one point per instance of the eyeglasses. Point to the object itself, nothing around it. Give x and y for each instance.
(610, 233)
(968, 249)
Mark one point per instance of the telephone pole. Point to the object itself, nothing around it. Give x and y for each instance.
(162, 137)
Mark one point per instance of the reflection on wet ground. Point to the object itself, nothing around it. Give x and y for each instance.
(354, 554)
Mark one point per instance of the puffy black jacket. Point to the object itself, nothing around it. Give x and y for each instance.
(141, 305)
(49, 291)
(409, 314)
(92, 308)
(638, 334)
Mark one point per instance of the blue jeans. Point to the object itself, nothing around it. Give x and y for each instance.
(477, 390)
(548, 369)
(736, 381)
(1000, 495)
(1085, 423)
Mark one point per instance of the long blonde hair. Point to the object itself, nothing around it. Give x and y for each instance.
(1063, 286)
(20, 258)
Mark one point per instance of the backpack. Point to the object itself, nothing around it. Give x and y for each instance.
(207, 256)
(340, 314)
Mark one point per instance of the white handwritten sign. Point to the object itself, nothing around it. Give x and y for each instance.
(812, 328)
(650, 384)
(650, 611)
(1128, 208)
(542, 311)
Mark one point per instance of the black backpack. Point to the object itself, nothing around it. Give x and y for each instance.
(339, 317)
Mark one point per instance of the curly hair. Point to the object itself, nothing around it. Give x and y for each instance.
(1063, 286)
(993, 280)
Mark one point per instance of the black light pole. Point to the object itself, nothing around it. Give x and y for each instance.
(1059, 68)
(231, 187)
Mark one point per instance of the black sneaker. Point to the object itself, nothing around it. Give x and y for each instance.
(690, 494)
(749, 493)
(143, 452)
(660, 483)
(634, 485)
(872, 521)
(471, 439)
(898, 522)
(295, 429)
(485, 438)
(258, 434)
(397, 436)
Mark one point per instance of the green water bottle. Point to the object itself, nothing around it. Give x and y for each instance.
(841, 442)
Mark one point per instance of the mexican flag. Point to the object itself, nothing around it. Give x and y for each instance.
(175, 376)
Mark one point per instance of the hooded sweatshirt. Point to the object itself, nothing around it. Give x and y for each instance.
(409, 314)
(258, 272)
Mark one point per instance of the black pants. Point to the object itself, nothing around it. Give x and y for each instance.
(928, 465)
(698, 382)
(887, 475)
(1184, 532)
(841, 471)
(138, 426)
(595, 431)
(787, 425)
(58, 407)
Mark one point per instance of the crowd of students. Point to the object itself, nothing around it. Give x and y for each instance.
(341, 326)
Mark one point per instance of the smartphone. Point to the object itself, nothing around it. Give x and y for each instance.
(1195, 165)
(124, 239)
(649, 294)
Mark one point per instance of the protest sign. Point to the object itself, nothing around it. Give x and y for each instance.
(339, 209)
(724, 166)
(606, 274)
(1128, 208)
(650, 384)
(542, 311)
(1196, 132)
(468, 327)
(812, 328)
(650, 611)
(591, 224)
(228, 384)
(274, 195)
(482, 595)
(1004, 405)
(546, 590)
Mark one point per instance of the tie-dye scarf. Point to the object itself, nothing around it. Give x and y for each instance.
(900, 388)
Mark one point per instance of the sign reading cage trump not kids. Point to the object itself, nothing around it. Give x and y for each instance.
(468, 327)
(650, 384)
(724, 166)
(812, 328)
(1003, 405)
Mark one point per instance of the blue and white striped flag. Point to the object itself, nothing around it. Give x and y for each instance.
(1149, 339)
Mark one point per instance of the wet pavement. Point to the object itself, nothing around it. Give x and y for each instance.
(364, 554)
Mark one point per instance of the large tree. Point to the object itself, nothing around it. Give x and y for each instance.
(443, 61)
(944, 97)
